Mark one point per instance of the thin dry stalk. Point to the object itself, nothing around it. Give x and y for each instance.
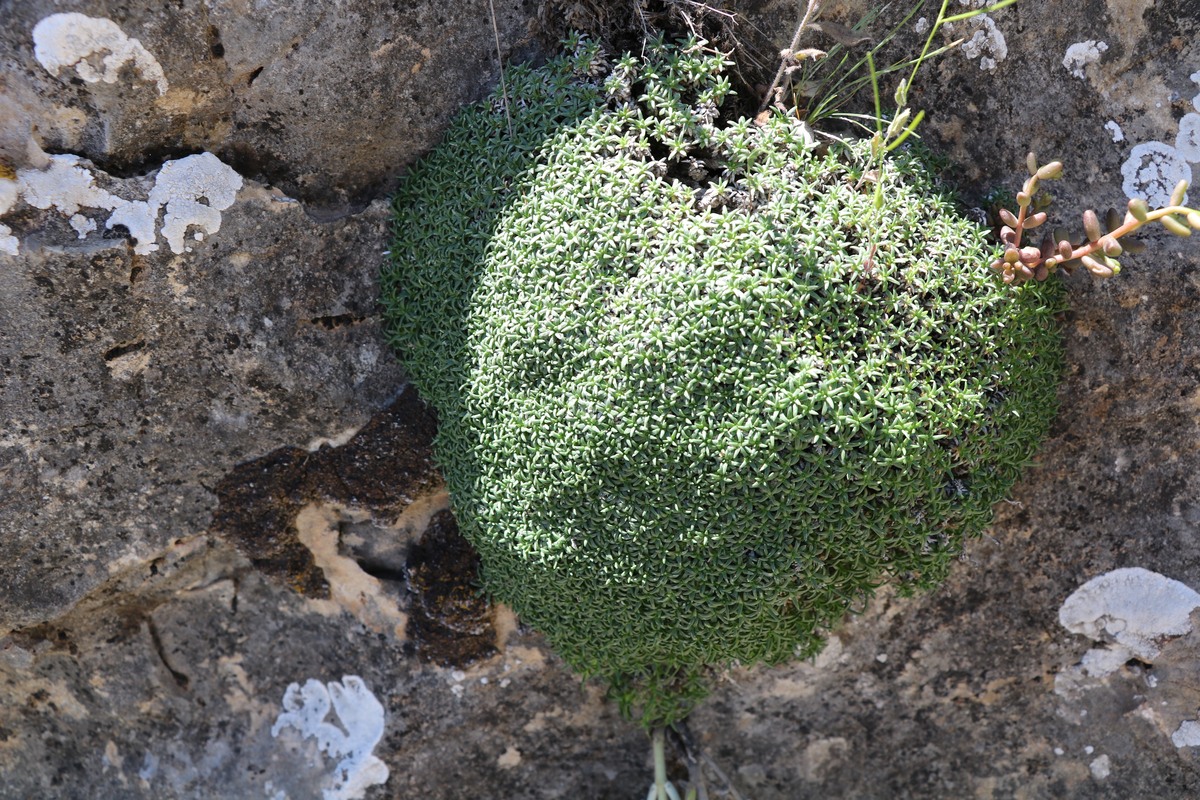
(500, 59)
(810, 11)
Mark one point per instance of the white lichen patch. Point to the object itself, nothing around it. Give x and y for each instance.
(335, 440)
(1187, 141)
(8, 198)
(82, 225)
(362, 723)
(1080, 54)
(183, 186)
(65, 185)
(97, 50)
(1152, 171)
(193, 191)
(95, 47)
(987, 44)
(1134, 607)
(1131, 612)
(1101, 661)
(1114, 130)
(139, 219)
(1187, 735)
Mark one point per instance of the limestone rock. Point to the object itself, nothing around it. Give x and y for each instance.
(145, 396)
(327, 102)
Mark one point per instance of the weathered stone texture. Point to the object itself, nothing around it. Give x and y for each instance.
(145, 655)
(326, 101)
(133, 384)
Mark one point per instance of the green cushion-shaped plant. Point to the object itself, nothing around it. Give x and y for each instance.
(697, 394)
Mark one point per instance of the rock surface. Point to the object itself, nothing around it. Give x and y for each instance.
(327, 102)
(156, 404)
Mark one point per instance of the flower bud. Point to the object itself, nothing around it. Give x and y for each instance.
(897, 123)
(1139, 209)
(1012, 255)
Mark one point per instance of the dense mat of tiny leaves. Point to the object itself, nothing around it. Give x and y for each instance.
(692, 411)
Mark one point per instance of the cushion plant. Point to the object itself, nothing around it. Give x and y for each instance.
(697, 394)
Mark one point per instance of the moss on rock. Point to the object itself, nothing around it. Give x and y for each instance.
(697, 395)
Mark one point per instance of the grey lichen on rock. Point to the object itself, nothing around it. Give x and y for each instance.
(327, 103)
(697, 395)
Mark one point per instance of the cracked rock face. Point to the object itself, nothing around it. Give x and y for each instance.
(136, 383)
(327, 102)
(212, 486)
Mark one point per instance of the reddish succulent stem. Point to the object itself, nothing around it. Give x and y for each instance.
(1098, 254)
(1129, 226)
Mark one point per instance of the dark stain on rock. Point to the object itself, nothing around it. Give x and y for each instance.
(54, 637)
(450, 622)
(387, 463)
(124, 349)
(382, 469)
(257, 507)
(332, 321)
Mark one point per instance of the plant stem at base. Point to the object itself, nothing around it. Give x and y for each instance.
(659, 740)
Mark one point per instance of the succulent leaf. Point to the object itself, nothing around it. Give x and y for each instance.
(1179, 193)
(1091, 226)
(1173, 225)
